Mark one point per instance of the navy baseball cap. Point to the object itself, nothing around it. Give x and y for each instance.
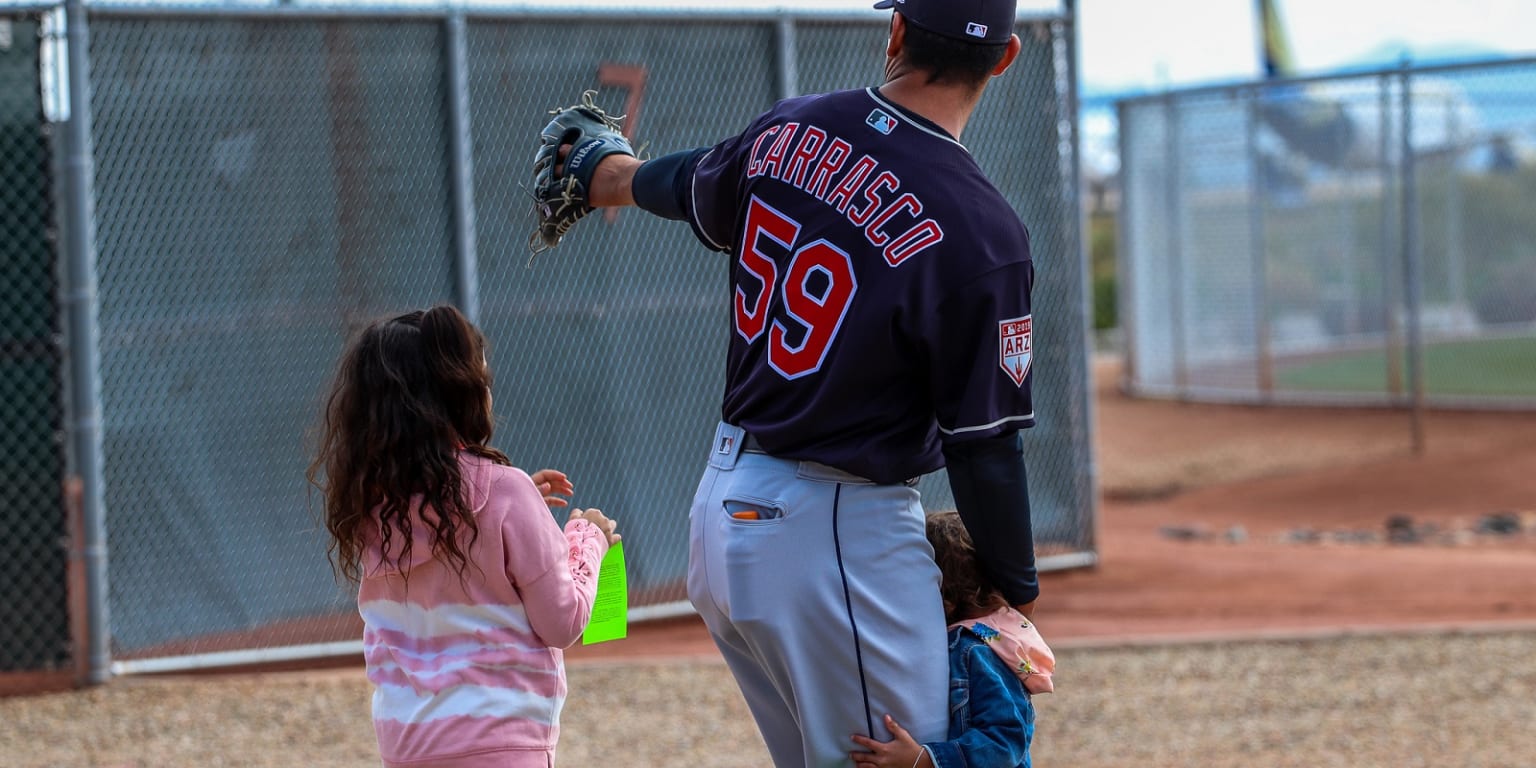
(974, 21)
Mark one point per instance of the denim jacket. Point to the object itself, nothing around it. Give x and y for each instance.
(991, 718)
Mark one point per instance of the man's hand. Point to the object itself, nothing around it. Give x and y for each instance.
(613, 181)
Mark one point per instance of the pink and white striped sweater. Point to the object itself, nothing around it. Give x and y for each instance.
(471, 674)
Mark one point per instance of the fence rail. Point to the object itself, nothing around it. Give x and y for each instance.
(265, 180)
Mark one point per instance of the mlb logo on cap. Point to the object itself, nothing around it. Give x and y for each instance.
(987, 22)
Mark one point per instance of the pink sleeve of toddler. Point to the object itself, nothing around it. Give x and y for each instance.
(555, 571)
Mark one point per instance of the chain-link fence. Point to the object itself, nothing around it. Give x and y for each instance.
(268, 179)
(34, 599)
(1363, 239)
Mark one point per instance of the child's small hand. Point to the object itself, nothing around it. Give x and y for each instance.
(603, 523)
(552, 484)
(900, 752)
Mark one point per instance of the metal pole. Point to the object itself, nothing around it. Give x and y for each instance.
(81, 306)
(461, 180)
(1126, 251)
(1413, 289)
(1175, 204)
(1393, 344)
(1455, 261)
(788, 64)
(1265, 364)
(1068, 36)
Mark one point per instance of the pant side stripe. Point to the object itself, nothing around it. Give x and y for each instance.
(858, 649)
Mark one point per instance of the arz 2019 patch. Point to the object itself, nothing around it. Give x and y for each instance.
(1015, 347)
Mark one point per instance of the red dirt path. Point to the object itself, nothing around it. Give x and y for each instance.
(1206, 469)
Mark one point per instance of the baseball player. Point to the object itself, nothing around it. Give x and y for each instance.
(881, 329)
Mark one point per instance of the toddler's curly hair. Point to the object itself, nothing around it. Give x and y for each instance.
(967, 592)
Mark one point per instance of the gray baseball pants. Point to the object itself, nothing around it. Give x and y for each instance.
(826, 605)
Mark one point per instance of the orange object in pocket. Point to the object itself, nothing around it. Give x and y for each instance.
(746, 514)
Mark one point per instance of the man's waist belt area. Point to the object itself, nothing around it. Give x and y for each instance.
(749, 444)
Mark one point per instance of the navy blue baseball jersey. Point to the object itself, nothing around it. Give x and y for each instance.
(881, 286)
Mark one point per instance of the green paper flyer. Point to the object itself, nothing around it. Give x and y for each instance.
(610, 608)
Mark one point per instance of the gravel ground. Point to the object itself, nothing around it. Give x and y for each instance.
(1461, 699)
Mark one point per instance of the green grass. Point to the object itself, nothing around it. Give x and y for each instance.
(1101, 250)
(1495, 368)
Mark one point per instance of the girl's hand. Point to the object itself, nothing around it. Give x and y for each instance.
(552, 484)
(603, 523)
(900, 752)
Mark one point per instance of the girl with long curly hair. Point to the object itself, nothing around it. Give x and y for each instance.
(467, 587)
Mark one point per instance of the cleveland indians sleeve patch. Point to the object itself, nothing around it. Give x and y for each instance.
(1015, 347)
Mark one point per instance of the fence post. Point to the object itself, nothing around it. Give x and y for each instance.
(1067, 34)
(1455, 257)
(82, 307)
(1263, 356)
(1125, 252)
(787, 62)
(461, 182)
(1173, 162)
(1389, 301)
(1412, 288)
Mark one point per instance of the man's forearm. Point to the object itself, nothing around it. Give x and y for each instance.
(992, 496)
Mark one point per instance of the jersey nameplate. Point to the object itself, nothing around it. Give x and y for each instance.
(817, 162)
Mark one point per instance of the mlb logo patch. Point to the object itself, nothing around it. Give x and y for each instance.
(1015, 347)
(976, 30)
(881, 121)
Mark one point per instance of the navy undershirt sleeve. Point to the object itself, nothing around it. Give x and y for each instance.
(661, 184)
(992, 497)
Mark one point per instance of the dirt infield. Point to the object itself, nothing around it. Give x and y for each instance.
(1246, 521)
